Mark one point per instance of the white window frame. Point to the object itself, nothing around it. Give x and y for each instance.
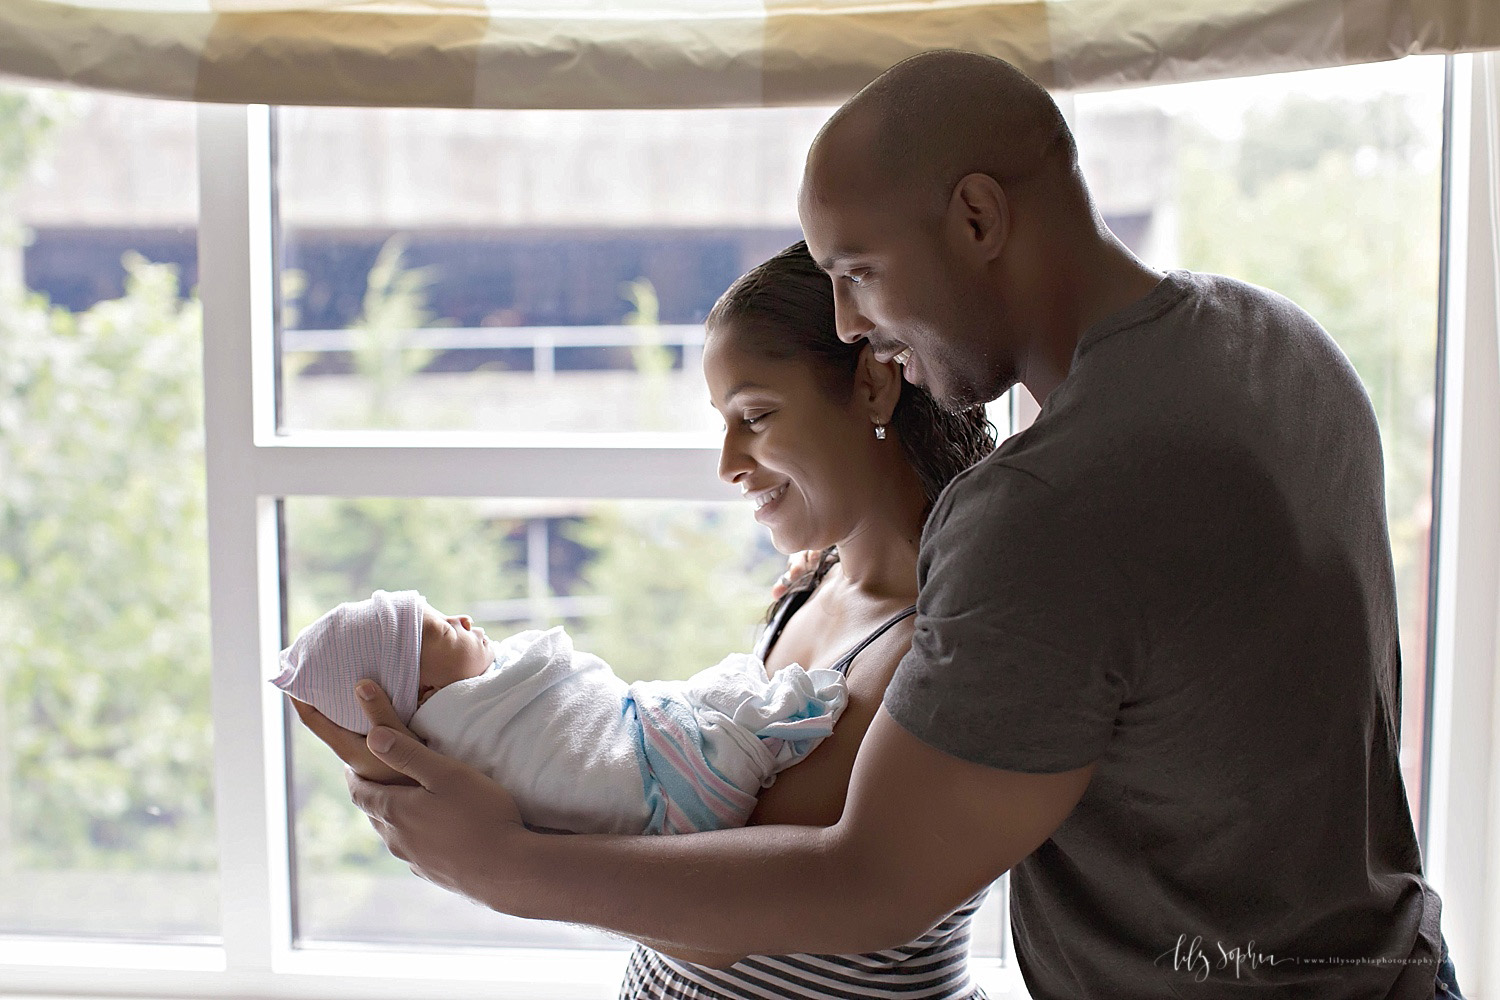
(1462, 850)
(249, 467)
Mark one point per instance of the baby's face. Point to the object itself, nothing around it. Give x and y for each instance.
(452, 650)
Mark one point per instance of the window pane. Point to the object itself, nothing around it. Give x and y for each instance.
(106, 804)
(1323, 186)
(519, 270)
(511, 565)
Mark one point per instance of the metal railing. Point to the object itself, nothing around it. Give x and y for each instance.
(542, 341)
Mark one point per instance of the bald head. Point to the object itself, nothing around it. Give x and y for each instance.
(936, 117)
(945, 202)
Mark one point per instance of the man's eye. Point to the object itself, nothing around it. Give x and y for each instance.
(855, 277)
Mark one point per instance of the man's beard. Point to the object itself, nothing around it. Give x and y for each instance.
(960, 399)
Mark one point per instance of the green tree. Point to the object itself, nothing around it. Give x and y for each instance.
(683, 587)
(653, 360)
(1296, 135)
(104, 618)
(104, 673)
(341, 549)
(28, 120)
(395, 303)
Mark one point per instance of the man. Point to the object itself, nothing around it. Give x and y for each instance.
(1155, 672)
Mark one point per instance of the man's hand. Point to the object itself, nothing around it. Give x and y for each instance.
(453, 826)
(349, 745)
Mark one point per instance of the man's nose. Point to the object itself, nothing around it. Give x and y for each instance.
(848, 322)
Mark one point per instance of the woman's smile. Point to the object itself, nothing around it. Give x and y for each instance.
(766, 501)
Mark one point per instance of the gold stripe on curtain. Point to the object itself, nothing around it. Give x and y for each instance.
(685, 53)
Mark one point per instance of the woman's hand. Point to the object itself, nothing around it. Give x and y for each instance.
(798, 565)
(455, 828)
(351, 747)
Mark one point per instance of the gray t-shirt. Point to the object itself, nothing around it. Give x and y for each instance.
(1182, 572)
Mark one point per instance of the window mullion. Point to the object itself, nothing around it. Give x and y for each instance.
(444, 466)
(249, 745)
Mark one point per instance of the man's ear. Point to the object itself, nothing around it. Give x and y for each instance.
(877, 385)
(979, 215)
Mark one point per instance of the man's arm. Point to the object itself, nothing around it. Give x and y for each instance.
(922, 831)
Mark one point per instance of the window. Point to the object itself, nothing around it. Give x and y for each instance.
(534, 270)
(457, 351)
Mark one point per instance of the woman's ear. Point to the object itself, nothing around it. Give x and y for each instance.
(877, 385)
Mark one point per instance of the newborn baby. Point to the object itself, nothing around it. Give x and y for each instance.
(578, 748)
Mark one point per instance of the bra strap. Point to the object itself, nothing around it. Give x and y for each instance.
(845, 661)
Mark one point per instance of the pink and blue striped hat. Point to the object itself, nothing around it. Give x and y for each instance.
(379, 639)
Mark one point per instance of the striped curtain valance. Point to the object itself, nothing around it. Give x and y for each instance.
(685, 53)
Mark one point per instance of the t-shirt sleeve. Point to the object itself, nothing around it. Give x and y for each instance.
(1025, 633)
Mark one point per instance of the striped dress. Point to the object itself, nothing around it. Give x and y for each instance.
(934, 967)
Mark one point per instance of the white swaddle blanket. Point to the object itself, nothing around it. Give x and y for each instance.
(581, 750)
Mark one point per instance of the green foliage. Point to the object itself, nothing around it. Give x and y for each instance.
(684, 587)
(653, 360)
(1298, 134)
(395, 302)
(341, 550)
(28, 119)
(104, 655)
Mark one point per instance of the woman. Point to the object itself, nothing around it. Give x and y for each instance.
(839, 454)
(843, 457)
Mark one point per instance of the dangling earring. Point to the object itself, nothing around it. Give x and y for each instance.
(880, 432)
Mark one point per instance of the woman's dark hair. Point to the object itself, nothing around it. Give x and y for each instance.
(783, 309)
